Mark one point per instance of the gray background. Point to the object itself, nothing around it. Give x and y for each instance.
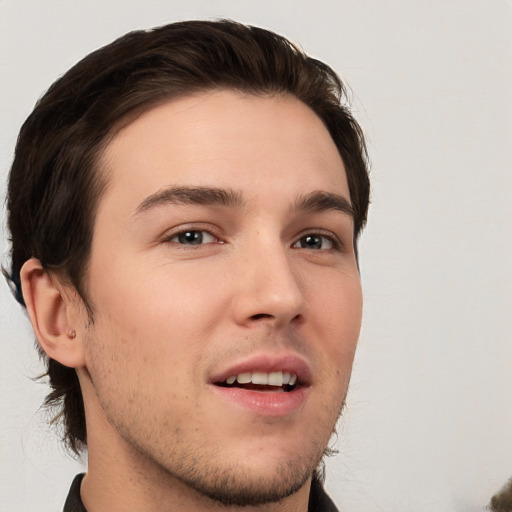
(428, 424)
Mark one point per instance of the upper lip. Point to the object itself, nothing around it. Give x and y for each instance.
(285, 362)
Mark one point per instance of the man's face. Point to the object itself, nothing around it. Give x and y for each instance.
(222, 250)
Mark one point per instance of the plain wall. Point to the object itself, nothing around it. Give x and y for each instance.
(428, 422)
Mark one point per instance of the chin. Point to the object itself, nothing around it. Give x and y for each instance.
(241, 486)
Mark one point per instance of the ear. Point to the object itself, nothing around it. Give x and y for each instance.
(53, 314)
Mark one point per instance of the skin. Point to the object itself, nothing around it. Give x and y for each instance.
(168, 316)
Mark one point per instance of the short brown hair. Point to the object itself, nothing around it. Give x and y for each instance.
(55, 184)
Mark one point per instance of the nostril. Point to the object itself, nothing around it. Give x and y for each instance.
(259, 316)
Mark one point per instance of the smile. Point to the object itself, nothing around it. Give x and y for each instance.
(265, 384)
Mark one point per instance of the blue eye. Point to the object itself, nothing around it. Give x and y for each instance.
(193, 237)
(314, 242)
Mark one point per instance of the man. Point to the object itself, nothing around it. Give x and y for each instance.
(184, 207)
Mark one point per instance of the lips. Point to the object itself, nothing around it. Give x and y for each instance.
(265, 384)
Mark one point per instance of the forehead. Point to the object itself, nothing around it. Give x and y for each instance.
(223, 138)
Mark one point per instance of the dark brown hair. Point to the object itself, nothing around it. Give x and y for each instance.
(55, 184)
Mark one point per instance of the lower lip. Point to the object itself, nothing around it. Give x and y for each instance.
(265, 403)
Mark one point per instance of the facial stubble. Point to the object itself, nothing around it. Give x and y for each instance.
(200, 471)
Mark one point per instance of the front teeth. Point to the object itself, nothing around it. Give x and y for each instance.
(243, 378)
(263, 378)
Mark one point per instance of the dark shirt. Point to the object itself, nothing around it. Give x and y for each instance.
(318, 499)
(74, 501)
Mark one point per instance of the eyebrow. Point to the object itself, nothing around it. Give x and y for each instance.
(208, 196)
(320, 201)
(317, 201)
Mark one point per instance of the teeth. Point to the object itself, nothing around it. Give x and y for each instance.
(275, 378)
(244, 378)
(264, 379)
(260, 378)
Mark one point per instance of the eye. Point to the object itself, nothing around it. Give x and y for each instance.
(193, 237)
(314, 241)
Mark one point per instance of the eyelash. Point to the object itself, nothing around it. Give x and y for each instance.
(336, 244)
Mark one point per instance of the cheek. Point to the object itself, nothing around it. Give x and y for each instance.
(160, 313)
(337, 311)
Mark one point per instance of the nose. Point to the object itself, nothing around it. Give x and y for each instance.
(270, 287)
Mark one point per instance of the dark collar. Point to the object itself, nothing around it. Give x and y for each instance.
(73, 501)
(318, 499)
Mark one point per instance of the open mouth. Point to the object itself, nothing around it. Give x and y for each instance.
(277, 382)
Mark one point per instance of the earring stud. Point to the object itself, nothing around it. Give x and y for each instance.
(71, 334)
